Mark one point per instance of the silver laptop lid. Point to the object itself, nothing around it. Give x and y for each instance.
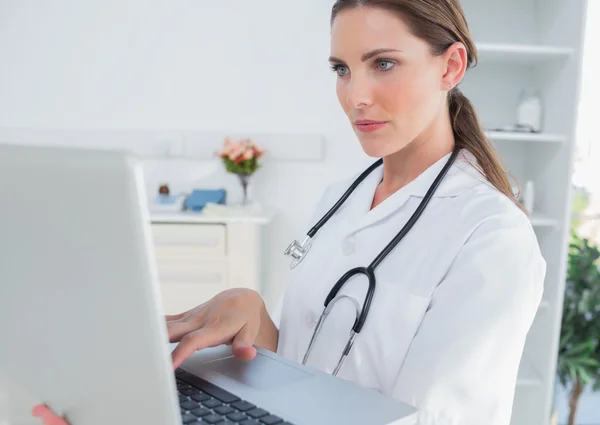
(80, 316)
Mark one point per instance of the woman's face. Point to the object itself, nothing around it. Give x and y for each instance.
(389, 84)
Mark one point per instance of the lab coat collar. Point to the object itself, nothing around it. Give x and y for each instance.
(462, 175)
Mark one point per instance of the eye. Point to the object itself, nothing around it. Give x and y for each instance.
(341, 70)
(384, 65)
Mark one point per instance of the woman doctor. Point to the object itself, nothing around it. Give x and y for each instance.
(456, 297)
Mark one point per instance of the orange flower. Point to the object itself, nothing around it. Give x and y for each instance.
(240, 151)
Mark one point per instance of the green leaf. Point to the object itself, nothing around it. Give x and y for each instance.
(572, 372)
(246, 167)
(593, 364)
(584, 376)
(586, 347)
(566, 337)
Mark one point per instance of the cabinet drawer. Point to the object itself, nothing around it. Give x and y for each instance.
(186, 286)
(188, 241)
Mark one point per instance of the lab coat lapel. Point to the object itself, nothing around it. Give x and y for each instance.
(418, 187)
(361, 200)
(363, 215)
(386, 208)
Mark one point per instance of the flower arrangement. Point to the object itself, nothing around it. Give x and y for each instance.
(241, 158)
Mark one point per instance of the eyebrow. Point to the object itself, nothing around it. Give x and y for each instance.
(367, 55)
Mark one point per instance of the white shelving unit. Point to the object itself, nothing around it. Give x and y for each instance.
(504, 136)
(527, 53)
(533, 44)
(540, 222)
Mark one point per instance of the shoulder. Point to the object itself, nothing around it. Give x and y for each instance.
(499, 235)
(491, 209)
(333, 191)
(497, 254)
(489, 227)
(481, 204)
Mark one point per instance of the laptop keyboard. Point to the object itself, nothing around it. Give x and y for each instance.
(202, 402)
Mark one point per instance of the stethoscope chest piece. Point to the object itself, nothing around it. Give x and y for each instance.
(298, 250)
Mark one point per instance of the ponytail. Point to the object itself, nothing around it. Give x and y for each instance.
(470, 135)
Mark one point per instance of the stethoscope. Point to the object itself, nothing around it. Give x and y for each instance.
(298, 252)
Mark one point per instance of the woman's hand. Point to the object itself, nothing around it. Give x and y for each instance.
(236, 316)
(47, 415)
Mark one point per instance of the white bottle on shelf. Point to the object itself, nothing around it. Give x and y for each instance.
(529, 112)
(529, 197)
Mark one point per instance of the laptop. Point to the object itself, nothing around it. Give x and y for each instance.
(81, 320)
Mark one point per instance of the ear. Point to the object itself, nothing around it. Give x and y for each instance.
(455, 59)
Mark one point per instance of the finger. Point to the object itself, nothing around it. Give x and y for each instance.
(39, 410)
(171, 317)
(191, 312)
(47, 415)
(242, 344)
(177, 330)
(55, 420)
(197, 340)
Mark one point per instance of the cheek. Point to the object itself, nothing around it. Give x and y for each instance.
(342, 94)
(409, 97)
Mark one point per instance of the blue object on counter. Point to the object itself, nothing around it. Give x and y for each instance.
(167, 203)
(166, 199)
(198, 199)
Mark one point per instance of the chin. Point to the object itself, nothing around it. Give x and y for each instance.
(378, 147)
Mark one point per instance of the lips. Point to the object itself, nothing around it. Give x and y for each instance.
(369, 126)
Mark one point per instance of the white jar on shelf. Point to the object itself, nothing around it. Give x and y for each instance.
(530, 111)
(529, 197)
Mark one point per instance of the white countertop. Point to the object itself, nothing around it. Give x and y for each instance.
(216, 215)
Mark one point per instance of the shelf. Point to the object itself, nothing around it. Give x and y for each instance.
(541, 221)
(492, 52)
(223, 215)
(510, 136)
(528, 377)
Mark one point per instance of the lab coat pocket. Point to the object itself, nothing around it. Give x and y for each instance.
(397, 316)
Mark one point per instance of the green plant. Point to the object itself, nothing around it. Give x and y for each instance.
(579, 351)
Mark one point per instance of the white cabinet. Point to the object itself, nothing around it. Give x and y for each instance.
(180, 241)
(198, 257)
(185, 284)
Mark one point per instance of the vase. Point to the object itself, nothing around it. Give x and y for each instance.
(244, 181)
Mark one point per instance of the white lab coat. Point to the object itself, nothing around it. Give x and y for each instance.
(454, 300)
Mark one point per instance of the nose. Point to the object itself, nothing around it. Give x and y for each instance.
(360, 93)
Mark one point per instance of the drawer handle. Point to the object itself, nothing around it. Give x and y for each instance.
(180, 278)
(186, 241)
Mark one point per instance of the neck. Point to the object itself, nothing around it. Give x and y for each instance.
(402, 167)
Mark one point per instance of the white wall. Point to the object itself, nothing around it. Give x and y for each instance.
(232, 65)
